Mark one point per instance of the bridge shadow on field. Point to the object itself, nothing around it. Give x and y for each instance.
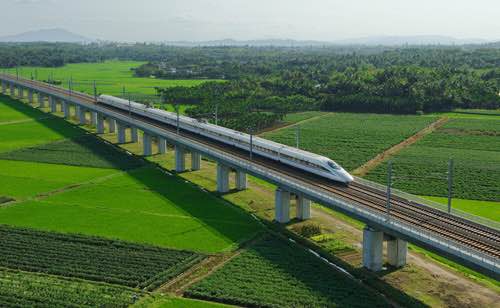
(230, 223)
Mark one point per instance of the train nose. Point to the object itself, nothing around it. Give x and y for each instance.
(348, 178)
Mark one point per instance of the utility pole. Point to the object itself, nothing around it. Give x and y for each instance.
(123, 92)
(36, 74)
(297, 135)
(389, 184)
(95, 91)
(70, 85)
(450, 183)
(17, 72)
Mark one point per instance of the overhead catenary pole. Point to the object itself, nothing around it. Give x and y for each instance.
(95, 91)
(450, 183)
(389, 184)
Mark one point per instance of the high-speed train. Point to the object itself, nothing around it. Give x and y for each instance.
(297, 158)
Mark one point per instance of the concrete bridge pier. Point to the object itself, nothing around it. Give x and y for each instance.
(162, 145)
(373, 241)
(66, 109)
(397, 250)
(222, 178)
(12, 90)
(82, 120)
(121, 132)
(100, 123)
(282, 206)
(41, 100)
(180, 158)
(195, 161)
(20, 92)
(241, 180)
(60, 103)
(93, 118)
(30, 96)
(303, 208)
(111, 125)
(4, 87)
(147, 140)
(134, 134)
(52, 104)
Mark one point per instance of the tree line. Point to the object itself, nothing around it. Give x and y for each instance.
(259, 85)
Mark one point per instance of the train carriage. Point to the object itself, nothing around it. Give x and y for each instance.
(297, 158)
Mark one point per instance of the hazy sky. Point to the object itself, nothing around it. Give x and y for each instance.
(157, 20)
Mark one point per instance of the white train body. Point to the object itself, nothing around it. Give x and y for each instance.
(297, 158)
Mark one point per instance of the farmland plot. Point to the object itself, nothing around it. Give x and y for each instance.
(91, 258)
(11, 110)
(19, 135)
(143, 206)
(475, 147)
(23, 289)
(21, 179)
(110, 76)
(274, 273)
(85, 151)
(351, 139)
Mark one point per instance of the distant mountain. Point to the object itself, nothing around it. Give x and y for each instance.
(410, 40)
(366, 41)
(257, 43)
(46, 35)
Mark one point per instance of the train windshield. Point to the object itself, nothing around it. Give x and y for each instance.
(333, 165)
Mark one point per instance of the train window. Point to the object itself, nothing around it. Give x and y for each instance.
(333, 165)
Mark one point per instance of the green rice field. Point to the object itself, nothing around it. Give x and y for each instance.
(110, 77)
(474, 146)
(351, 139)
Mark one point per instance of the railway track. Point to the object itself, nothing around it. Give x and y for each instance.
(452, 227)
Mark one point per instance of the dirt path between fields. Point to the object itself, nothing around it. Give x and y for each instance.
(380, 158)
(285, 125)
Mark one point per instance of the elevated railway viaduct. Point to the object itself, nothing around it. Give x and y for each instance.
(401, 220)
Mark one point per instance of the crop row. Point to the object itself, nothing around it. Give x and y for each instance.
(275, 273)
(22, 289)
(91, 258)
(473, 145)
(81, 151)
(351, 139)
